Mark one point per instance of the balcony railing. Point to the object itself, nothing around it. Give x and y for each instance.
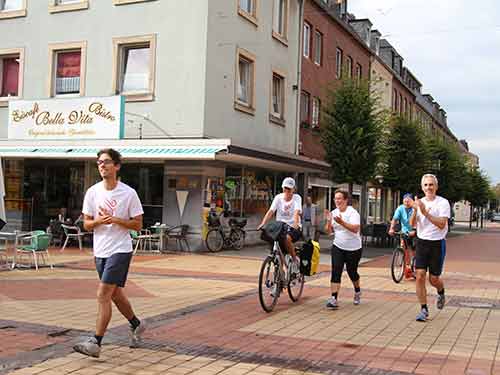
(68, 85)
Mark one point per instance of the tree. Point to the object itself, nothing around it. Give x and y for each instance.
(478, 192)
(404, 155)
(446, 162)
(351, 132)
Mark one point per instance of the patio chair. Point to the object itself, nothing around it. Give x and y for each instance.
(73, 232)
(4, 259)
(179, 234)
(143, 239)
(35, 243)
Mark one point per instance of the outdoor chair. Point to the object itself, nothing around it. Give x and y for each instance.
(179, 234)
(34, 243)
(4, 259)
(73, 232)
(143, 239)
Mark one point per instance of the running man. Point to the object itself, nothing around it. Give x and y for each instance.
(430, 216)
(402, 215)
(111, 209)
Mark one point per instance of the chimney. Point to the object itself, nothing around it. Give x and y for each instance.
(362, 27)
(375, 36)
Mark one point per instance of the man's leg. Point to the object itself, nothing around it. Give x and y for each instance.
(420, 286)
(122, 303)
(104, 295)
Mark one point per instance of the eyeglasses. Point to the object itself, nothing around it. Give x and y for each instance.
(105, 162)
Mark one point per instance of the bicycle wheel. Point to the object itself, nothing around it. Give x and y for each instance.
(295, 286)
(237, 238)
(269, 283)
(412, 265)
(398, 264)
(214, 240)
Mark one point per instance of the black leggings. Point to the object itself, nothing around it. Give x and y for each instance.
(350, 259)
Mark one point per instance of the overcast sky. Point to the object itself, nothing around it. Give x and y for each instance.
(453, 48)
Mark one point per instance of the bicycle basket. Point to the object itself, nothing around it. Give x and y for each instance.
(213, 220)
(239, 222)
(272, 231)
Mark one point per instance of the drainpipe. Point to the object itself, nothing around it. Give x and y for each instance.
(299, 77)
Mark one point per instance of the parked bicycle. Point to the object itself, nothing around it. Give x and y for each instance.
(402, 263)
(221, 236)
(273, 279)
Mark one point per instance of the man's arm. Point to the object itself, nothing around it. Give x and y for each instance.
(134, 223)
(269, 214)
(89, 223)
(296, 218)
(391, 229)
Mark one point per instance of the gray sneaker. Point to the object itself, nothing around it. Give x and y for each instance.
(422, 315)
(440, 301)
(357, 298)
(136, 334)
(332, 303)
(88, 347)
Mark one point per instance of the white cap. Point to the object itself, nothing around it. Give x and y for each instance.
(288, 183)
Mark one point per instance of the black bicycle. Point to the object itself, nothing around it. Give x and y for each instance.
(273, 279)
(402, 262)
(221, 237)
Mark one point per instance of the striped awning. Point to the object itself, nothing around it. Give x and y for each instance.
(149, 152)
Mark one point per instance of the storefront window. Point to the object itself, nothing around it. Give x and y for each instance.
(147, 180)
(374, 204)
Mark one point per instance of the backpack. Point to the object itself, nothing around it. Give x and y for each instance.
(309, 258)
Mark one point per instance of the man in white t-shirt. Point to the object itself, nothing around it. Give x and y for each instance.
(288, 207)
(430, 216)
(111, 209)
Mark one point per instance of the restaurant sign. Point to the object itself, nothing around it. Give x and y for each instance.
(75, 118)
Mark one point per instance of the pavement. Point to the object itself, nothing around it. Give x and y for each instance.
(204, 317)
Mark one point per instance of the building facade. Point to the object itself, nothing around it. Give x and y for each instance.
(209, 118)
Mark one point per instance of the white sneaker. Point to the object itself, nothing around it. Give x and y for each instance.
(357, 298)
(88, 347)
(332, 303)
(136, 334)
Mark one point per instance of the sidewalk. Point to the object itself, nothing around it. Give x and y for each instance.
(204, 318)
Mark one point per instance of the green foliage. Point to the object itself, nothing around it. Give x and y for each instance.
(479, 191)
(404, 155)
(448, 164)
(351, 131)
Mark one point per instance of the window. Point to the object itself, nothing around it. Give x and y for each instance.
(405, 109)
(316, 108)
(318, 47)
(280, 20)
(12, 8)
(307, 39)
(395, 98)
(11, 74)
(67, 5)
(349, 66)
(248, 10)
(359, 72)
(400, 103)
(278, 98)
(338, 61)
(134, 64)
(304, 107)
(67, 68)
(245, 82)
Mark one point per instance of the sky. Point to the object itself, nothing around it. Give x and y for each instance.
(453, 48)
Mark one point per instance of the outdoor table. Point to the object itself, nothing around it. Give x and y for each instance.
(11, 237)
(162, 230)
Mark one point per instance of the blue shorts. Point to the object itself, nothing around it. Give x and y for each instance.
(114, 270)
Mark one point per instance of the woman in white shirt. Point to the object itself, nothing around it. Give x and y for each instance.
(344, 221)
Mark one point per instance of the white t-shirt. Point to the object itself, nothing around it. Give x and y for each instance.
(123, 203)
(285, 210)
(438, 207)
(344, 238)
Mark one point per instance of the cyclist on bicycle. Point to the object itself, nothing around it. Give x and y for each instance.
(288, 207)
(402, 215)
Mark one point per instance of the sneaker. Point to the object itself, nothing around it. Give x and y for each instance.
(88, 347)
(422, 315)
(332, 303)
(440, 301)
(135, 334)
(357, 298)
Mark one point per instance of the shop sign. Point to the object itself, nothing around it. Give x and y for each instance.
(75, 118)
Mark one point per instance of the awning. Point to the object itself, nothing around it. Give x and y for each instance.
(161, 152)
(161, 149)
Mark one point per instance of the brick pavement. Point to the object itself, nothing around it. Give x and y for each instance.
(205, 319)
